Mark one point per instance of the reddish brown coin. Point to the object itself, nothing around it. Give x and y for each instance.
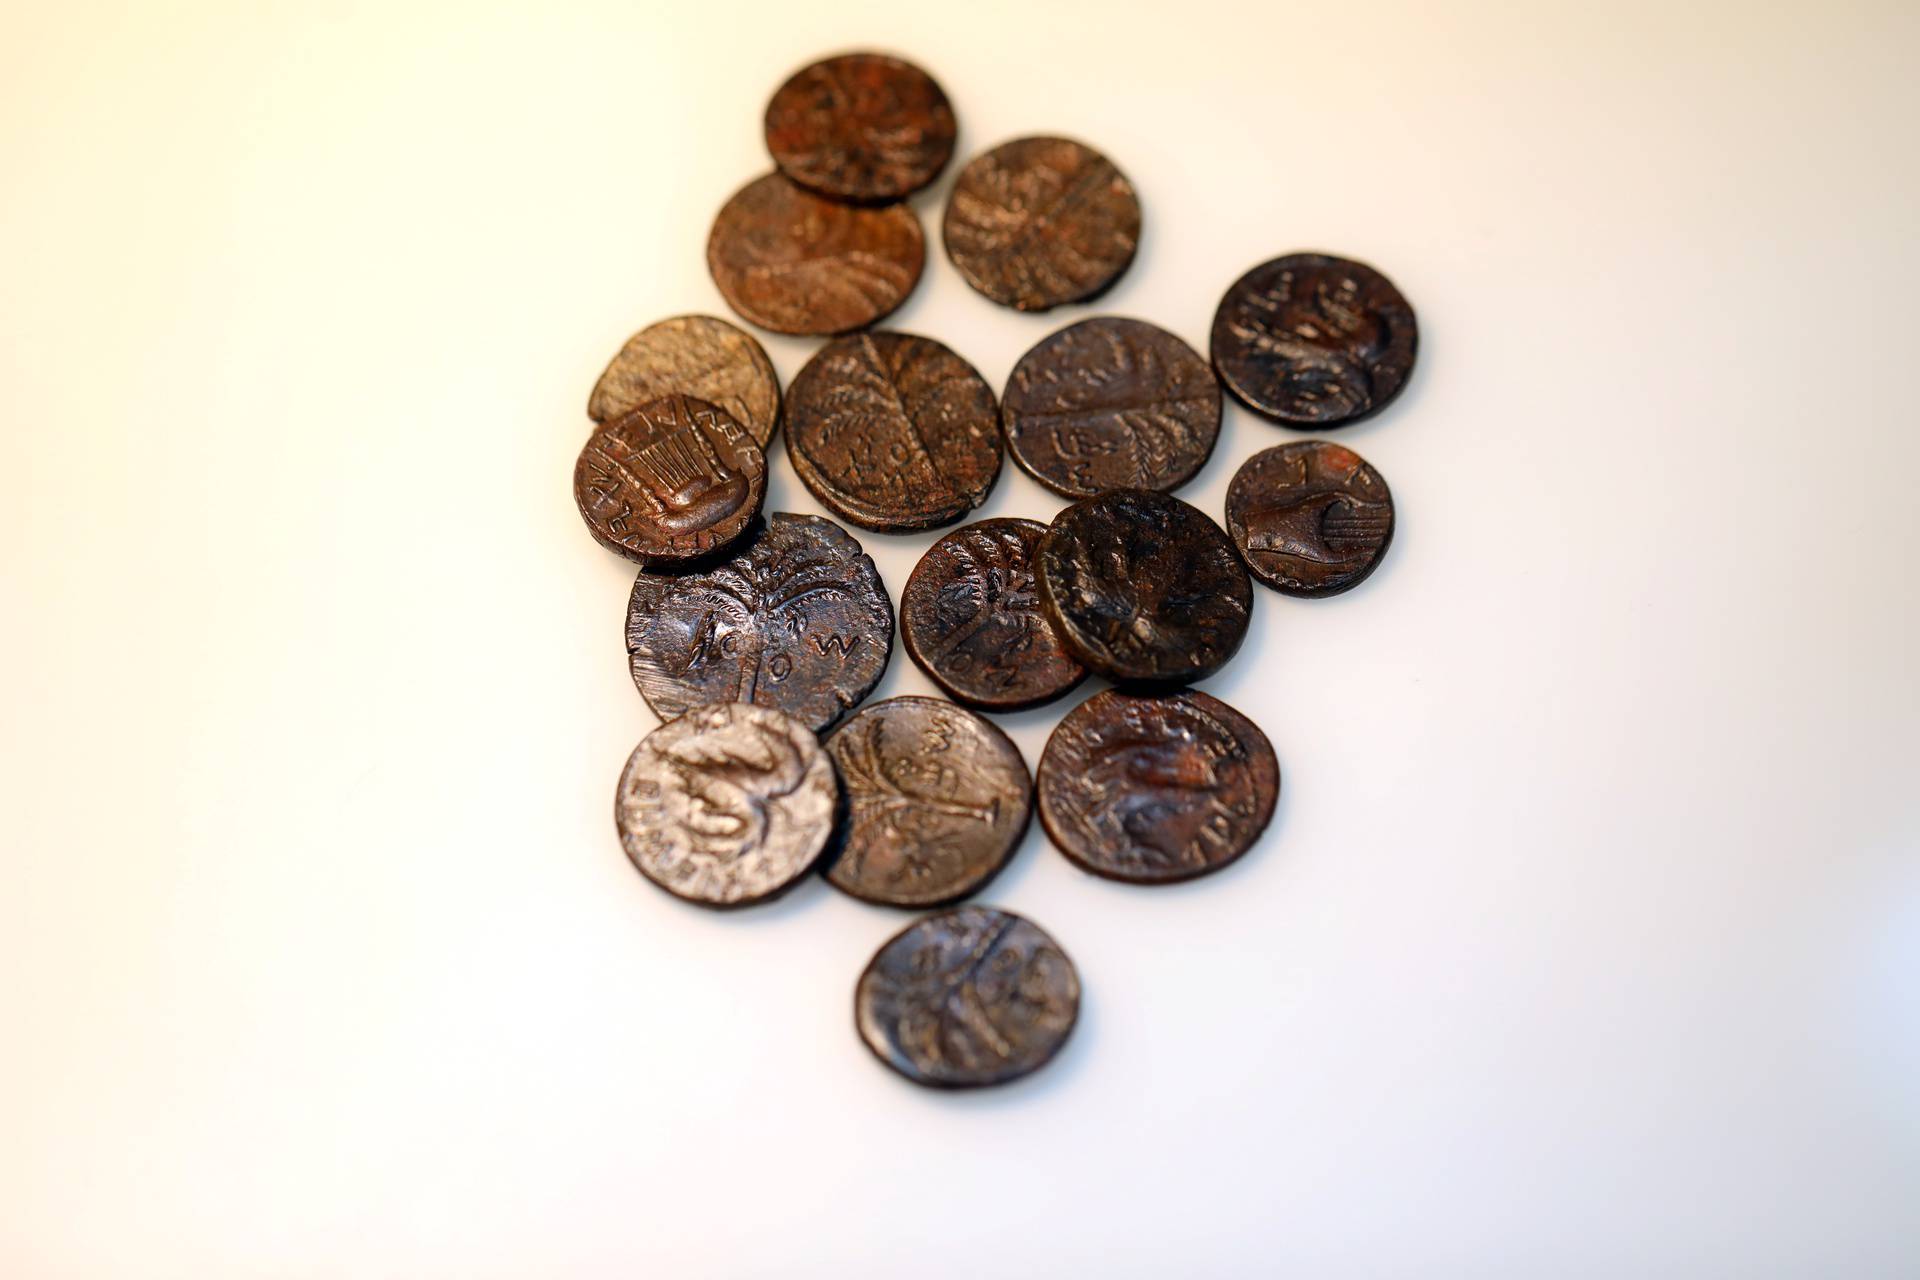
(862, 126)
(1310, 519)
(698, 356)
(670, 482)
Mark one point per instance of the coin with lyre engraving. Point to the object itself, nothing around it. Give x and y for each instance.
(861, 126)
(699, 356)
(674, 480)
(1310, 519)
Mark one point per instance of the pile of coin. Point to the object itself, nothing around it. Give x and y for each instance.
(757, 638)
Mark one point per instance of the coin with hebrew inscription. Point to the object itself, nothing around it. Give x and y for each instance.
(699, 356)
(672, 481)
(1310, 519)
(861, 126)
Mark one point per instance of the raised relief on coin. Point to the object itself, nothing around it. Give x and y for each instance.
(727, 805)
(1151, 790)
(793, 262)
(971, 996)
(698, 356)
(1311, 340)
(1310, 519)
(893, 432)
(796, 620)
(862, 126)
(936, 801)
(669, 482)
(1038, 222)
(1111, 403)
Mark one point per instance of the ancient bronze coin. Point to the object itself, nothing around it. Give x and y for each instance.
(674, 480)
(972, 620)
(1311, 340)
(893, 431)
(697, 356)
(1151, 790)
(862, 126)
(1111, 403)
(794, 262)
(1310, 519)
(796, 620)
(1038, 222)
(936, 799)
(971, 996)
(1143, 588)
(727, 805)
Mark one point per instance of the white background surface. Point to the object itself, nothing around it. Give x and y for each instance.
(1585, 941)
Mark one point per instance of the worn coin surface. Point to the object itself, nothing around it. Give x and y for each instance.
(1310, 519)
(796, 620)
(1310, 340)
(699, 356)
(1151, 790)
(1111, 403)
(727, 805)
(971, 618)
(674, 480)
(1038, 222)
(971, 996)
(862, 126)
(936, 800)
(893, 431)
(795, 262)
(1143, 588)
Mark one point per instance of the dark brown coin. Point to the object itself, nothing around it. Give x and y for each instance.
(1311, 340)
(893, 431)
(1143, 588)
(972, 620)
(670, 482)
(796, 620)
(697, 356)
(1111, 403)
(862, 126)
(936, 801)
(727, 805)
(971, 996)
(1038, 222)
(1310, 519)
(1151, 790)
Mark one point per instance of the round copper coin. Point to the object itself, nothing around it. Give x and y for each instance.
(971, 996)
(793, 262)
(796, 620)
(936, 800)
(1311, 340)
(674, 480)
(1151, 790)
(972, 620)
(862, 126)
(727, 805)
(1143, 588)
(1310, 519)
(699, 356)
(892, 431)
(1111, 403)
(1038, 222)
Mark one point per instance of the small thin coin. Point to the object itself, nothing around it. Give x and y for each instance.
(862, 126)
(1311, 340)
(936, 802)
(727, 805)
(1111, 403)
(672, 481)
(1310, 519)
(1038, 222)
(699, 356)
(971, 996)
(1152, 790)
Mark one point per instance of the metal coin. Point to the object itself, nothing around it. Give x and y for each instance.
(1310, 519)
(674, 480)
(698, 356)
(862, 126)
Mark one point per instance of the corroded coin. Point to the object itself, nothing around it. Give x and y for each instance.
(1038, 222)
(862, 126)
(796, 620)
(1143, 588)
(727, 805)
(971, 996)
(670, 482)
(972, 620)
(793, 262)
(936, 801)
(1151, 790)
(1311, 340)
(1111, 403)
(698, 356)
(1310, 519)
(893, 431)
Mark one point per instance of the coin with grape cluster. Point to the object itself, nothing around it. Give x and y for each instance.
(861, 126)
(672, 481)
(700, 356)
(1310, 519)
